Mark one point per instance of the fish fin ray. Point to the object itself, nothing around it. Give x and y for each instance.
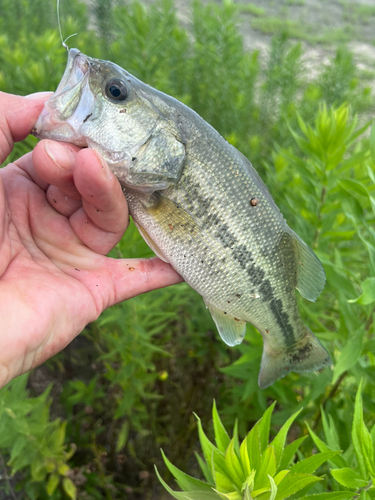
(306, 355)
(311, 277)
(231, 330)
(150, 242)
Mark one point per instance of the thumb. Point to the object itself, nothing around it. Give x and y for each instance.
(18, 115)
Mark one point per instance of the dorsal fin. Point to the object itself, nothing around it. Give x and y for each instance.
(311, 277)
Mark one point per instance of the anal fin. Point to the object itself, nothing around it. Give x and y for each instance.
(231, 329)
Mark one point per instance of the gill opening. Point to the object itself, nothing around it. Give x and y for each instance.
(63, 42)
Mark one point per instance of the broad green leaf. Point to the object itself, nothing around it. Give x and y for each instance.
(52, 483)
(233, 466)
(361, 438)
(293, 483)
(338, 460)
(221, 436)
(349, 355)
(280, 476)
(279, 442)
(223, 483)
(244, 456)
(253, 446)
(194, 495)
(266, 467)
(368, 292)
(310, 464)
(334, 495)
(273, 488)
(349, 478)
(69, 488)
(185, 482)
(289, 452)
(264, 427)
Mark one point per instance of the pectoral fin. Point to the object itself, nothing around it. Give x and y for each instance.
(231, 329)
(150, 242)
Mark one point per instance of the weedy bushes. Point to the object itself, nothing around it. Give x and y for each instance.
(131, 382)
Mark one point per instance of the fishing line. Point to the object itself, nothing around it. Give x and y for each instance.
(63, 42)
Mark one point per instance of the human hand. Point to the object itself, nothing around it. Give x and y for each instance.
(61, 212)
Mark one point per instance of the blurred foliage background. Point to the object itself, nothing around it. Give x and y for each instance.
(89, 423)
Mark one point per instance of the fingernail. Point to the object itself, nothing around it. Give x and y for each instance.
(38, 95)
(62, 156)
(104, 165)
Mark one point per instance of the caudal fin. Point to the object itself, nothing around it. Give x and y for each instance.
(305, 356)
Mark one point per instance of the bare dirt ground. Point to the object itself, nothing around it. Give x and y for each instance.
(325, 23)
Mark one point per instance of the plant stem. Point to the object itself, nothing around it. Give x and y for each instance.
(319, 216)
(330, 395)
(7, 477)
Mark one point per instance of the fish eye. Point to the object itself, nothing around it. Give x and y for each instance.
(116, 90)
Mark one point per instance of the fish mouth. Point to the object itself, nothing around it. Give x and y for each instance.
(68, 109)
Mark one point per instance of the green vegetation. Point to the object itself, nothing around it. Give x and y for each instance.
(130, 383)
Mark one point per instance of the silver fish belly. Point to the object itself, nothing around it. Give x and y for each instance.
(199, 204)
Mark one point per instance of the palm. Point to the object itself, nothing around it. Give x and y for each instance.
(56, 226)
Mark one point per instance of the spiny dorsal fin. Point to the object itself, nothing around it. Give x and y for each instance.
(311, 277)
(231, 330)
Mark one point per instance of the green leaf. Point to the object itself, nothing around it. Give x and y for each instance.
(330, 431)
(279, 442)
(368, 293)
(221, 436)
(338, 460)
(335, 495)
(273, 488)
(52, 483)
(267, 467)
(264, 427)
(195, 495)
(233, 466)
(349, 478)
(361, 438)
(310, 464)
(293, 483)
(253, 446)
(205, 469)
(69, 488)
(209, 450)
(349, 355)
(185, 482)
(244, 456)
(372, 144)
(289, 452)
(122, 436)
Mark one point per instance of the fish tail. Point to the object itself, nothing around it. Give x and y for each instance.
(306, 355)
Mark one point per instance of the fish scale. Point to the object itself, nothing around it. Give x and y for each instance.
(199, 204)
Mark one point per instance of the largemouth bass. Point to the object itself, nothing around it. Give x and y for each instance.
(199, 204)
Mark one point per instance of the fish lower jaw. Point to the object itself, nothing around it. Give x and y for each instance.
(47, 128)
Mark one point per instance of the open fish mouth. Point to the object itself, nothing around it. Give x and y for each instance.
(68, 109)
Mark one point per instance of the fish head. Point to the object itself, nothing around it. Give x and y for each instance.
(100, 105)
